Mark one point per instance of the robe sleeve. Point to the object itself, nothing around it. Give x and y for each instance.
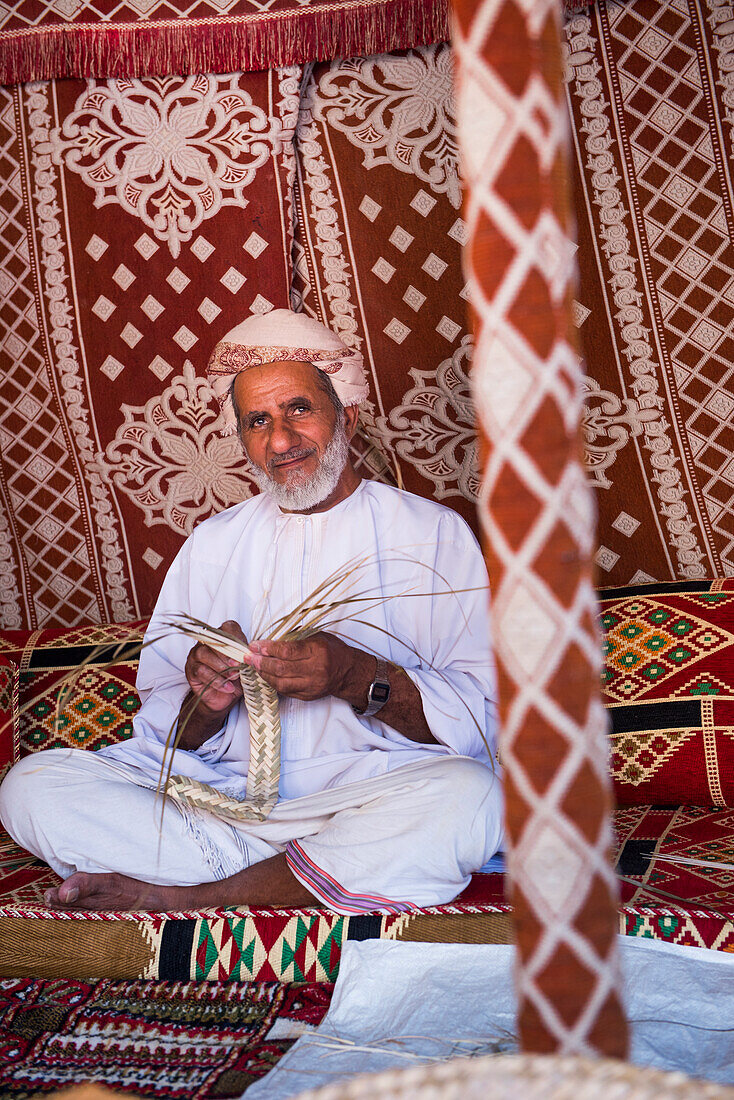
(455, 671)
(161, 682)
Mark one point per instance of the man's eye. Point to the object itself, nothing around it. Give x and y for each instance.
(298, 409)
(257, 422)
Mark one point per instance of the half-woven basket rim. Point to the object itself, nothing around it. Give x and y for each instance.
(530, 1076)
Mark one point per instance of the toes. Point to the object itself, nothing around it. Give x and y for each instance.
(74, 891)
(76, 886)
(103, 891)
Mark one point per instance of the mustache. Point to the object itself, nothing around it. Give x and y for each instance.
(290, 456)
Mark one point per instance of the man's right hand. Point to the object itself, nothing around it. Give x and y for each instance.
(214, 681)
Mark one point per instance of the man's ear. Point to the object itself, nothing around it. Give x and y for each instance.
(351, 416)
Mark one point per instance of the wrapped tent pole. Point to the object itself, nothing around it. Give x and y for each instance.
(537, 516)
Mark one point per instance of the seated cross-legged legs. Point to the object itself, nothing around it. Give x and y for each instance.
(385, 792)
(407, 839)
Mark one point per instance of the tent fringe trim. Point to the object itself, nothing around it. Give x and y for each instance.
(221, 43)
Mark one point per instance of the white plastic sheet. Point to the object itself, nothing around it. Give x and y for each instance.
(395, 1001)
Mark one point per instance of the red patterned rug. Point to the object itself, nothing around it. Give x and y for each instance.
(158, 1039)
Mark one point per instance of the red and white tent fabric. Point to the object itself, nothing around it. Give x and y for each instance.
(126, 38)
(116, 237)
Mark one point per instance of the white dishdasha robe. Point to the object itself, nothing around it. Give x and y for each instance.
(254, 563)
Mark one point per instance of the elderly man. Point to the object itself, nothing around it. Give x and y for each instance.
(388, 796)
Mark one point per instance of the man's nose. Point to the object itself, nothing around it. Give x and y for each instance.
(283, 436)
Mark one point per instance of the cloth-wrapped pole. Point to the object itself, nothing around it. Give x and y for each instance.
(537, 516)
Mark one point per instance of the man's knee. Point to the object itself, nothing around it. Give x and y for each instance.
(471, 810)
(26, 792)
(469, 783)
(15, 796)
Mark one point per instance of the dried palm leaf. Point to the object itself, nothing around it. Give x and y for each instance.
(680, 904)
(336, 600)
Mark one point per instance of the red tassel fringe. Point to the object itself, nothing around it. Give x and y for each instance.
(264, 40)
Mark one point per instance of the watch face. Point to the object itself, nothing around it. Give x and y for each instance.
(379, 692)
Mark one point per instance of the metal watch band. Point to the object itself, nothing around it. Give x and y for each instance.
(378, 692)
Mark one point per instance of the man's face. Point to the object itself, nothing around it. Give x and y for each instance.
(286, 420)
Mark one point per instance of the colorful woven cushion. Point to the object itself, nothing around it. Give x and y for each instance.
(662, 898)
(657, 850)
(669, 687)
(8, 705)
(94, 668)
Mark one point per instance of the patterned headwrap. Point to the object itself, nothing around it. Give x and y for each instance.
(278, 337)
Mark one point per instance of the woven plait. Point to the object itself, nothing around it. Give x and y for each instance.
(537, 515)
(263, 775)
(200, 796)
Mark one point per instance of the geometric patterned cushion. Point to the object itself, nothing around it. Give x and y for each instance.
(668, 683)
(23, 878)
(662, 900)
(650, 839)
(103, 701)
(8, 706)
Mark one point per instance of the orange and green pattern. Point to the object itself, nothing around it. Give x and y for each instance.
(668, 682)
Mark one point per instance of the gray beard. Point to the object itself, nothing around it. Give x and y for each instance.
(301, 498)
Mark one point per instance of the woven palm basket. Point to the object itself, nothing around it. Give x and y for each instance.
(263, 775)
(523, 1077)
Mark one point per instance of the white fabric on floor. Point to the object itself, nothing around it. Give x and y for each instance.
(447, 999)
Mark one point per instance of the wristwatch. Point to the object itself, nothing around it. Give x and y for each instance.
(378, 692)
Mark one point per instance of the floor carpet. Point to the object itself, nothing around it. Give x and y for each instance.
(188, 1040)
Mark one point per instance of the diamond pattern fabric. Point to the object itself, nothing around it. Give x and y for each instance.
(87, 528)
(93, 506)
(648, 86)
(125, 255)
(537, 517)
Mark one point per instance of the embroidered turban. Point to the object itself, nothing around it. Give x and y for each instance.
(278, 337)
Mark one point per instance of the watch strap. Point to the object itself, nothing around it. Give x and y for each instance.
(378, 692)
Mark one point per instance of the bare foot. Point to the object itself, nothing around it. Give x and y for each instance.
(112, 891)
(268, 883)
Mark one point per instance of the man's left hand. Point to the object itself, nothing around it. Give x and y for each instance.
(312, 668)
(325, 665)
